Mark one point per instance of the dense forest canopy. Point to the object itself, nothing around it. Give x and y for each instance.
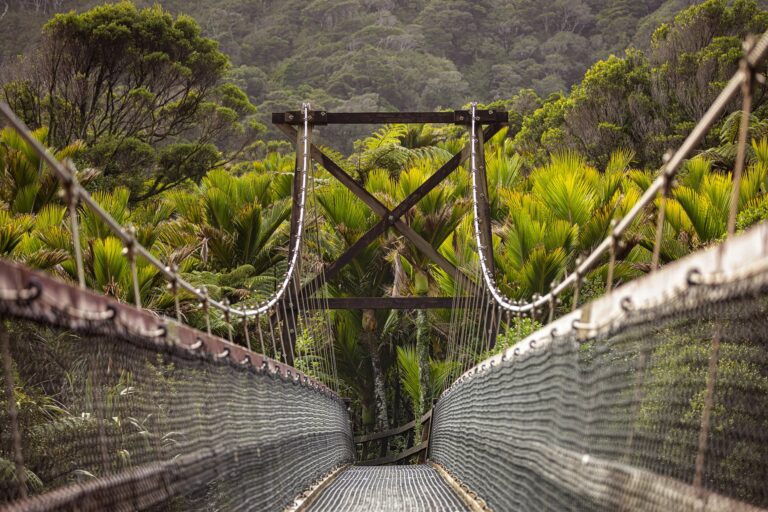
(393, 54)
(159, 107)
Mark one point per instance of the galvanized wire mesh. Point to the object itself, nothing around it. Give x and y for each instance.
(388, 488)
(112, 421)
(668, 411)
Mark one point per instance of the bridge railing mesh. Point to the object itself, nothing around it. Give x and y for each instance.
(107, 416)
(667, 409)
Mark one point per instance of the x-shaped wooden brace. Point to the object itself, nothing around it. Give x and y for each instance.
(393, 217)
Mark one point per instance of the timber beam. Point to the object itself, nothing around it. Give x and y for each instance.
(323, 117)
(375, 303)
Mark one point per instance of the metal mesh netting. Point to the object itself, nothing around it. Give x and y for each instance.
(111, 421)
(624, 420)
(388, 488)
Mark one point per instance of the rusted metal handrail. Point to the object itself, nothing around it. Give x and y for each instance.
(35, 294)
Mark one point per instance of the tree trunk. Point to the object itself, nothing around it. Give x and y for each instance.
(379, 385)
(422, 351)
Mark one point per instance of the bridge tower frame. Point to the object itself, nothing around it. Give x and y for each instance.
(488, 123)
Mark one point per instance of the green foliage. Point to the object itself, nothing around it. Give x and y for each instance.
(645, 101)
(26, 183)
(165, 138)
(142, 89)
(518, 329)
(408, 365)
(361, 55)
(681, 364)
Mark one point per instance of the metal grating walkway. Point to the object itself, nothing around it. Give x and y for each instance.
(388, 488)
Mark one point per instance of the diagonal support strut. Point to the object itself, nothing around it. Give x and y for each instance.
(390, 218)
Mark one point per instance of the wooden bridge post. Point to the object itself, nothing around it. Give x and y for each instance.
(484, 213)
(484, 219)
(293, 294)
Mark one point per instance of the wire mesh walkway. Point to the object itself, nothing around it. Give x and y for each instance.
(388, 488)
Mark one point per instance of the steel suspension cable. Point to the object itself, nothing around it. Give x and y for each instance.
(755, 55)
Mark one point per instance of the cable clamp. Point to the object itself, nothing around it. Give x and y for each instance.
(30, 293)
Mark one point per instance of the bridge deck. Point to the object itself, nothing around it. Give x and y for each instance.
(388, 488)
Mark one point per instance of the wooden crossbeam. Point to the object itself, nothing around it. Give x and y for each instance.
(323, 117)
(393, 431)
(374, 302)
(396, 457)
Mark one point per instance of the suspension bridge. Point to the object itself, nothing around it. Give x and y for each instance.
(651, 397)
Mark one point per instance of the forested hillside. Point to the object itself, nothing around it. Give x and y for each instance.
(392, 54)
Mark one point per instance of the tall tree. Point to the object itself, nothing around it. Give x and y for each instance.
(142, 89)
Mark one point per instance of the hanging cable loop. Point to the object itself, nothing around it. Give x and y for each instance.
(743, 78)
(74, 195)
(296, 249)
(696, 277)
(160, 332)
